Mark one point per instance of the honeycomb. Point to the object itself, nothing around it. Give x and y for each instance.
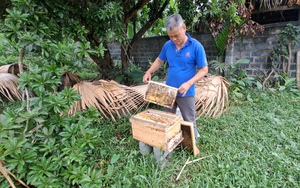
(161, 94)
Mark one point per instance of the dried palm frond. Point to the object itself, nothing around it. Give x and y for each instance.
(267, 4)
(11, 68)
(68, 80)
(89, 97)
(6, 174)
(140, 88)
(125, 99)
(9, 87)
(292, 2)
(211, 96)
(109, 97)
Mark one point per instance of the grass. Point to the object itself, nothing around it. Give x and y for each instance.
(254, 144)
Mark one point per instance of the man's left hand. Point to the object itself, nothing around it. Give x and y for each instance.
(184, 88)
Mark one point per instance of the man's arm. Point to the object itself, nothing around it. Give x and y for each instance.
(154, 67)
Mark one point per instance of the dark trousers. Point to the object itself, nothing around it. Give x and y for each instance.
(187, 109)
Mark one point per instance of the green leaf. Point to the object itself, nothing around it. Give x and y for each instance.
(259, 85)
(114, 158)
(289, 81)
(155, 78)
(242, 61)
(20, 120)
(281, 88)
(110, 170)
(39, 119)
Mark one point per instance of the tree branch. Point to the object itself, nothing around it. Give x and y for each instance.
(132, 12)
(151, 21)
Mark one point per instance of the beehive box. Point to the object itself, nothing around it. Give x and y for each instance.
(161, 94)
(157, 128)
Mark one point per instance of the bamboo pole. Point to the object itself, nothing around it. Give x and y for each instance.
(197, 159)
(182, 168)
(189, 162)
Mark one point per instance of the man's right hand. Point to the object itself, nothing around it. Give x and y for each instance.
(147, 77)
(154, 67)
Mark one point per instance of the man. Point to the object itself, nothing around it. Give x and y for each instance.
(184, 55)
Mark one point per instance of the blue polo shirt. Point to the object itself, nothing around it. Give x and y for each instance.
(183, 63)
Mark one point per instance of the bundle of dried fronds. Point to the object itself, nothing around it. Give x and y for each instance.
(292, 2)
(141, 89)
(8, 81)
(9, 87)
(11, 68)
(109, 97)
(267, 4)
(68, 80)
(211, 96)
(7, 175)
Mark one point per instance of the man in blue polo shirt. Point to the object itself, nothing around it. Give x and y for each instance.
(184, 55)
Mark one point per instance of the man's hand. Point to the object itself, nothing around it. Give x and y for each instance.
(184, 88)
(147, 77)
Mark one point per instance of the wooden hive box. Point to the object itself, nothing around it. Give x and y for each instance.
(157, 128)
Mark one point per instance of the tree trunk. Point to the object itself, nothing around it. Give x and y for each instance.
(290, 59)
(125, 57)
(126, 49)
(105, 63)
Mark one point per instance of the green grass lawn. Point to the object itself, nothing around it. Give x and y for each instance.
(254, 144)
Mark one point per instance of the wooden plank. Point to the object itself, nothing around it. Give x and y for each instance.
(188, 135)
(148, 135)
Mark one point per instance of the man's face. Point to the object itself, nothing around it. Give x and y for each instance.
(177, 35)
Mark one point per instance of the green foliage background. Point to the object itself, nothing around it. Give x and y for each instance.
(255, 143)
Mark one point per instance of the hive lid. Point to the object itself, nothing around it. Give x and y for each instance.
(158, 118)
(161, 94)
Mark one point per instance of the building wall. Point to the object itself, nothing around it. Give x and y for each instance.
(147, 49)
(257, 49)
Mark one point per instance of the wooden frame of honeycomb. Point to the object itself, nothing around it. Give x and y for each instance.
(161, 94)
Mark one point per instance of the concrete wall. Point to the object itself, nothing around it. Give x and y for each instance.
(147, 49)
(257, 49)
